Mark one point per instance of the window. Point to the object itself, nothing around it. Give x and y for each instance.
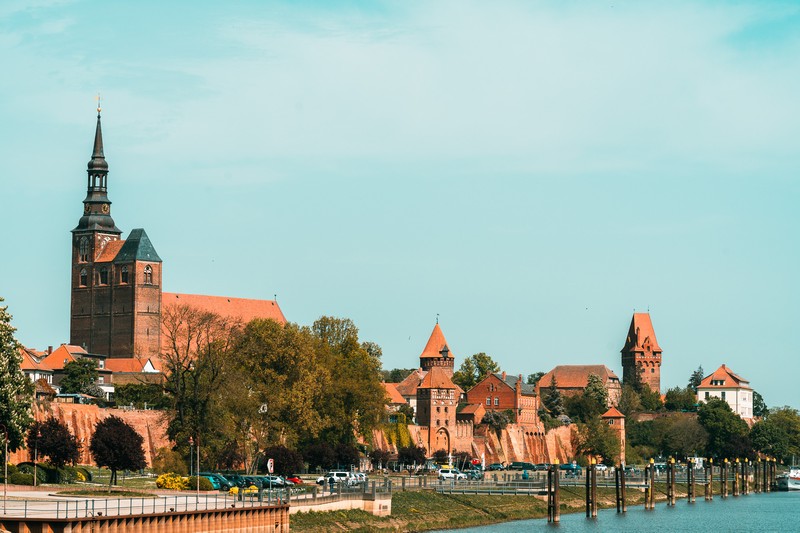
(84, 250)
(723, 395)
(124, 275)
(103, 276)
(148, 275)
(652, 370)
(84, 277)
(496, 401)
(438, 409)
(488, 401)
(706, 395)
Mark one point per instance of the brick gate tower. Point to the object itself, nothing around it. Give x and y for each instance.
(642, 353)
(116, 284)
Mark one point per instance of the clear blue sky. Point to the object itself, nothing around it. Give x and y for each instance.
(531, 171)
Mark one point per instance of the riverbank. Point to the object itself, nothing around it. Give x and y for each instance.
(428, 510)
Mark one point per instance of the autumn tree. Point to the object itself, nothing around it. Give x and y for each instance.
(473, 369)
(409, 455)
(117, 446)
(16, 392)
(196, 357)
(52, 439)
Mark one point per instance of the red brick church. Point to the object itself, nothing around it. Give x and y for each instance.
(117, 294)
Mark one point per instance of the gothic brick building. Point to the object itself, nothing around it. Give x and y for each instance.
(117, 297)
(642, 353)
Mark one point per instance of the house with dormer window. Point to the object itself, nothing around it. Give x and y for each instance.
(724, 384)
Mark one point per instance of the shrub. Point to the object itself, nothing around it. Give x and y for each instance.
(18, 478)
(167, 460)
(205, 484)
(171, 481)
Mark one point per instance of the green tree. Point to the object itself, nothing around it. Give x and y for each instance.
(583, 407)
(596, 391)
(319, 455)
(440, 456)
(379, 458)
(695, 379)
(651, 400)
(629, 401)
(168, 460)
(473, 369)
(286, 461)
(597, 438)
(407, 411)
(552, 399)
(759, 406)
(141, 395)
(79, 375)
(396, 375)
(116, 445)
(534, 378)
(778, 434)
(727, 433)
(410, 455)
(16, 392)
(678, 399)
(53, 440)
(496, 420)
(685, 438)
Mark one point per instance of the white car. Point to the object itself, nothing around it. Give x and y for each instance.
(600, 467)
(337, 476)
(451, 473)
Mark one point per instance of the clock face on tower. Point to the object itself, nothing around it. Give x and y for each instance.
(86, 208)
(105, 209)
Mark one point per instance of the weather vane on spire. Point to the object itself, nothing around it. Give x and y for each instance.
(98, 103)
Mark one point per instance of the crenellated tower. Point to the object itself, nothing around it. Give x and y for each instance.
(436, 353)
(642, 353)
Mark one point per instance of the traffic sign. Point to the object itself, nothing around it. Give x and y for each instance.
(270, 465)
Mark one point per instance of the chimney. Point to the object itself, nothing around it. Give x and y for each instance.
(49, 350)
(504, 375)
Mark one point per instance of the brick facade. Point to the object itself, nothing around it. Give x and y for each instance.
(500, 392)
(642, 353)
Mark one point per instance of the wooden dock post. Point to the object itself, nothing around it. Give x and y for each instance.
(591, 489)
(594, 487)
(710, 479)
(650, 479)
(735, 468)
(671, 482)
(746, 476)
(690, 497)
(553, 504)
(723, 478)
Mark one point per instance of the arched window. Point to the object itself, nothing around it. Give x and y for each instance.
(83, 250)
(104, 276)
(124, 275)
(148, 275)
(84, 277)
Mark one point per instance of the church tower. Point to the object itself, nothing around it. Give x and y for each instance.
(116, 284)
(437, 353)
(642, 353)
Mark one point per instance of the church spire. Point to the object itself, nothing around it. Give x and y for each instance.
(96, 205)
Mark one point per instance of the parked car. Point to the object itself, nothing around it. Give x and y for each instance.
(237, 480)
(295, 479)
(496, 466)
(222, 483)
(451, 473)
(541, 467)
(600, 467)
(339, 476)
(521, 465)
(571, 469)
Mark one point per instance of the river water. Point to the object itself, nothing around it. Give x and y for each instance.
(776, 511)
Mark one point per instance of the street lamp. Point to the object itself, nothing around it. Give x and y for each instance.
(5, 466)
(191, 456)
(36, 454)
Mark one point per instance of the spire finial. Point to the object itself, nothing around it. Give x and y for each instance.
(437, 318)
(98, 104)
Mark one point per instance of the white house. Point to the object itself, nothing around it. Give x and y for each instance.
(724, 384)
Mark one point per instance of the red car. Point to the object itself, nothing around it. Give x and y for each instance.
(294, 479)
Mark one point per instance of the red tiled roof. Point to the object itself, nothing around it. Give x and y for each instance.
(471, 408)
(391, 391)
(575, 376)
(408, 387)
(727, 377)
(437, 378)
(110, 252)
(31, 362)
(242, 308)
(613, 412)
(62, 355)
(125, 364)
(436, 343)
(641, 334)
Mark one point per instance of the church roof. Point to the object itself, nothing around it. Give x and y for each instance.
(576, 376)
(110, 251)
(242, 308)
(437, 378)
(137, 247)
(641, 334)
(723, 378)
(436, 344)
